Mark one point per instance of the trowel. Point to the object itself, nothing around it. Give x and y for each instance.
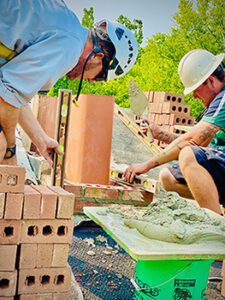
(139, 103)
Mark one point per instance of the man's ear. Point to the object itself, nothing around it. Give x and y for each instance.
(98, 56)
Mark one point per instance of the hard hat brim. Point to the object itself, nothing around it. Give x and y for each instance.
(218, 59)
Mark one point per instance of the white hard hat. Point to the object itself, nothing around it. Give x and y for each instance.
(196, 66)
(126, 48)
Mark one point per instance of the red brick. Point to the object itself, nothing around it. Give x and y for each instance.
(36, 297)
(74, 188)
(2, 205)
(79, 205)
(12, 179)
(44, 255)
(60, 255)
(28, 256)
(100, 191)
(10, 231)
(60, 296)
(10, 279)
(8, 257)
(178, 109)
(168, 97)
(65, 203)
(223, 287)
(7, 298)
(44, 280)
(32, 203)
(47, 231)
(13, 206)
(223, 269)
(48, 202)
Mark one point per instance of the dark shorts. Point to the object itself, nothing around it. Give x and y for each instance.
(213, 161)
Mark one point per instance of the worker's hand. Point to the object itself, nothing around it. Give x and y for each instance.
(47, 149)
(135, 169)
(155, 129)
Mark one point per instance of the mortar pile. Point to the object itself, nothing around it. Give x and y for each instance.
(175, 220)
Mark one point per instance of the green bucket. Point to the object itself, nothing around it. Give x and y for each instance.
(171, 279)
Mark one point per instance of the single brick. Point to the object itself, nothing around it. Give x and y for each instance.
(223, 287)
(32, 203)
(100, 191)
(60, 296)
(8, 282)
(44, 255)
(28, 256)
(8, 257)
(223, 269)
(10, 231)
(65, 203)
(44, 280)
(79, 205)
(7, 298)
(47, 231)
(36, 297)
(74, 188)
(2, 204)
(147, 196)
(60, 255)
(48, 202)
(12, 179)
(13, 206)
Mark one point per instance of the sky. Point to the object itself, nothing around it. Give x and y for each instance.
(156, 15)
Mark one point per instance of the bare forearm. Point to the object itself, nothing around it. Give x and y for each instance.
(199, 136)
(166, 136)
(31, 126)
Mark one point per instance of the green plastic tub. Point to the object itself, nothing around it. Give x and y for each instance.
(171, 279)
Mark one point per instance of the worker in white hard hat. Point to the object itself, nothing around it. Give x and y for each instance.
(201, 170)
(41, 41)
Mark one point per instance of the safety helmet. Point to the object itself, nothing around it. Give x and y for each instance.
(196, 66)
(126, 47)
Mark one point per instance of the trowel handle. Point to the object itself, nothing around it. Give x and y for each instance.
(149, 132)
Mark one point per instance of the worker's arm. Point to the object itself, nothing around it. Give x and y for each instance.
(200, 135)
(44, 143)
(158, 133)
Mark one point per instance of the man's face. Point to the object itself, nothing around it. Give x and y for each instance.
(205, 92)
(92, 69)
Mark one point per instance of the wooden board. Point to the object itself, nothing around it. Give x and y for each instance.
(141, 248)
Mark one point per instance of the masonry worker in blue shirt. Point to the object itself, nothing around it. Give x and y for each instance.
(41, 41)
(200, 172)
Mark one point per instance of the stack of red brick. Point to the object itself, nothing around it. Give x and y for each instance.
(105, 195)
(167, 110)
(36, 228)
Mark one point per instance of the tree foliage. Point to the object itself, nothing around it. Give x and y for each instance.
(195, 26)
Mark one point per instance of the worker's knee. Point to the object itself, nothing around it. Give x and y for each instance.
(187, 159)
(167, 180)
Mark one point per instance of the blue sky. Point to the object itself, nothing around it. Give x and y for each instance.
(156, 15)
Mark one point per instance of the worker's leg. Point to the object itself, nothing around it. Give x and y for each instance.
(3, 145)
(170, 183)
(8, 120)
(199, 180)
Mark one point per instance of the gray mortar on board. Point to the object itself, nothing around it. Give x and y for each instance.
(174, 220)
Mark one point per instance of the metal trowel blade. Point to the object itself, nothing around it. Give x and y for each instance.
(138, 100)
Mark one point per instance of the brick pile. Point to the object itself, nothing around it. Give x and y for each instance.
(36, 228)
(167, 110)
(106, 195)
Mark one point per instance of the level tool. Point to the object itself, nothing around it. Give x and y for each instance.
(65, 98)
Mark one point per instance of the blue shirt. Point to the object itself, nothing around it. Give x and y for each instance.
(216, 115)
(49, 39)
